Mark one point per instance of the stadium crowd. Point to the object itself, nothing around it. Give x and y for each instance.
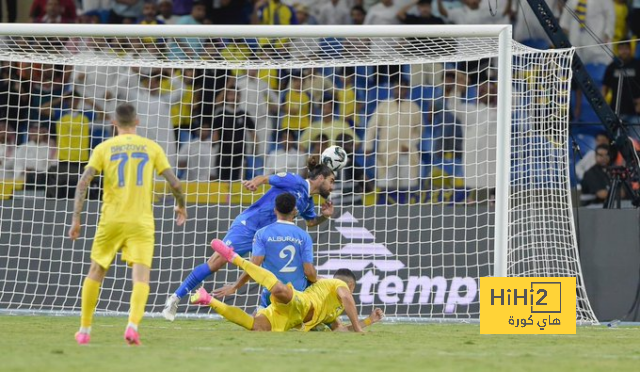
(228, 125)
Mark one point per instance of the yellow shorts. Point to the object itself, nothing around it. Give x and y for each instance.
(135, 241)
(284, 317)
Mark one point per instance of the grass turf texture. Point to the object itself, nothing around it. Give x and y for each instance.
(42, 343)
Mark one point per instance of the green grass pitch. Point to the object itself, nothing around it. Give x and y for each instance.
(44, 343)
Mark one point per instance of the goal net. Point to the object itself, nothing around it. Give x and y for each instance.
(457, 143)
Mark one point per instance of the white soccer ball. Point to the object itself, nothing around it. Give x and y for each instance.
(334, 157)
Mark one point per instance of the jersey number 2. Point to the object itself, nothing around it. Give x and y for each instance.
(124, 157)
(291, 250)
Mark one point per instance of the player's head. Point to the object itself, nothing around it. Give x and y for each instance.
(126, 117)
(346, 276)
(320, 177)
(286, 206)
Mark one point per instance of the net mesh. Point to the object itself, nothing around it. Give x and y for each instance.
(415, 203)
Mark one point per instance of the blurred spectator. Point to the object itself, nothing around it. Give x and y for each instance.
(478, 118)
(91, 17)
(330, 125)
(150, 15)
(532, 33)
(589, 159)
(53, 13)
(303, 15)
(345, 94)
(197, 16)
(397, 126)
(333, 12)
(620, 30)
(165, 8)
(595, 19)
(626, 68)
(273, 12)
(316, 84)
(39, 10)
(200, 156)
(125, 11)
(35, 157)
(471, 13)
(228, 12)
(14, 93)
(351, 181)
(183, 7)
(7, 150)
(182, 110)
(296, 106)
(596, 181)
(190, 48)
(286, 157)
(261, 104)
(12, 10)
(95, 5)
(358, 15)
(235, 132)
(383, 13)
(424, 17)
(318, 145)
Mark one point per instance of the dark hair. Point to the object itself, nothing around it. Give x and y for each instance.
(125, 115)
(346, 274)
(359, 8)
(316, 169)
(602, 147)
(285, 203)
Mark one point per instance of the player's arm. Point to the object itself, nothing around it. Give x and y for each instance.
(326, 211)
(310, 272)
(78, 204)
(178, 195)
(253, 184)
(376, 315)
(228, 290)
(349, 305)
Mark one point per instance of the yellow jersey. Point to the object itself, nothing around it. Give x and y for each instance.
(327, 306)
(127, 162)
(73, 137)
(302, 102)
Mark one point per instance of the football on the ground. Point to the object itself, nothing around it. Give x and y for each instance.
(334, 157)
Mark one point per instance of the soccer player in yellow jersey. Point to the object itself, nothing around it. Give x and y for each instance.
(128, 162)
(321, 303)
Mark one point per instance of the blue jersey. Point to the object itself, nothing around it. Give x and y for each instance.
(261, 213)
(285, 248)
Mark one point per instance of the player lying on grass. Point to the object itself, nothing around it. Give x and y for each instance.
(319, 181)
(321, 303)
(282, 248)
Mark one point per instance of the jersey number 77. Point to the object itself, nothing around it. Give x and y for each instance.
(124, 158)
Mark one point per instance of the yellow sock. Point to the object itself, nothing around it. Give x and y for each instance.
(262, 276)
(232, 314)
(90, 294)
(138, 302)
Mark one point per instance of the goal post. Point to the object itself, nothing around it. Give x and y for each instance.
(458, 138)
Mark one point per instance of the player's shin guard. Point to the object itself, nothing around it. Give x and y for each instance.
(200, 273)
(261, 276)
(232, 314)
(90, 294)
(138, 302)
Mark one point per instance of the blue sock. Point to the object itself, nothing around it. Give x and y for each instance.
(196, 277)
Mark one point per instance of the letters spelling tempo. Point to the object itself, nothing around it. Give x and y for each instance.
(528, 305)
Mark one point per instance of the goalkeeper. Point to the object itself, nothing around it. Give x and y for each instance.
(321, 303)
(240, 236)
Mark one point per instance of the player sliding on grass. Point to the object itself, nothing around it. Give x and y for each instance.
(319, 181)
(128, 162)
(321, 303)
(282, 248)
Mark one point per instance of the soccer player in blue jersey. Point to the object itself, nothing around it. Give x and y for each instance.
(282, 248)
(320, 180)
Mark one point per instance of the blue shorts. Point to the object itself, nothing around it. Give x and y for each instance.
(240, 239)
